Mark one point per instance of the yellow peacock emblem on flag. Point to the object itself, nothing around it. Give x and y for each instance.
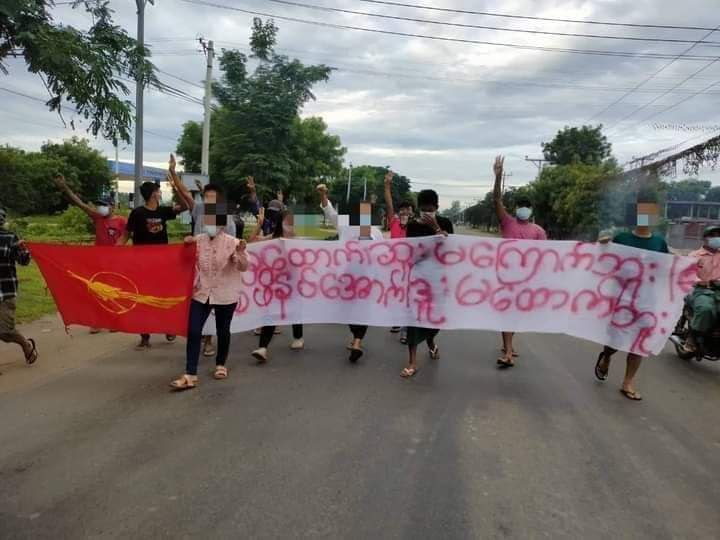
(118, 294)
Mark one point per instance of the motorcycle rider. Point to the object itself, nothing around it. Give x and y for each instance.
(705, 298)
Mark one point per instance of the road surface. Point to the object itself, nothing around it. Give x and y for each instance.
(312, 447)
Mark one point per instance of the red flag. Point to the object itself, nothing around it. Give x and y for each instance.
(139, 289)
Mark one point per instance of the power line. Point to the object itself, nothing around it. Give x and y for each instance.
(533, 18)
(622, 54)
(666, 109)
(652, 76)
(180, 79)
(484, 27)
(657, 98)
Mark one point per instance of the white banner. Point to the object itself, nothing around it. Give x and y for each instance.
(614, 295)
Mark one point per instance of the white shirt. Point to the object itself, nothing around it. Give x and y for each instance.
(347, 232)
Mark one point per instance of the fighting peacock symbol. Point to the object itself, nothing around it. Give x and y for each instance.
(118, 294)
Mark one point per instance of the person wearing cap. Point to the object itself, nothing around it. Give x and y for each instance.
(108, 227)
(12, 252)
(641, 237)
(706, 295)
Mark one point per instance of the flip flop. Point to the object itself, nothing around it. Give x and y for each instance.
(33, 354)
(408, 372)
(633, 396)
(599, 374)
(502, 363)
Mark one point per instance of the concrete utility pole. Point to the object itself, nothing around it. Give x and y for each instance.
(205, 159)
(349, 182)
(538, 162)
(139, 83)
(504, 176)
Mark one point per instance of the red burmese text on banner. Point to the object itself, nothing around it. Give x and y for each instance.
(139, 289)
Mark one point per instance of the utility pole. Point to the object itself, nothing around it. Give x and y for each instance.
(505, 175)
(538, 162)
(205, 159)
(139, 83)
(347, 200)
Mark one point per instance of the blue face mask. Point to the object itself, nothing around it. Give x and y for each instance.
(714, 243)
(523, 213)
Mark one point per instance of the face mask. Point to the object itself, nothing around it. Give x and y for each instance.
(523, 213)
(428, 214)
(404, 220)
(211, 230)
(714, 243)
(104, 211)
(287, 230)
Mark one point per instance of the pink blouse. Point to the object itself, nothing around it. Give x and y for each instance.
(217, 272)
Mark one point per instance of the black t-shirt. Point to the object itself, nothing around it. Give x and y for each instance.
(415, 228)
(150, 226)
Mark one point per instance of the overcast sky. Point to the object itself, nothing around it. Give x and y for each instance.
(435, 111)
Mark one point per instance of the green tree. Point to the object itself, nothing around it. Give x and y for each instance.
(254, 123)
(454, 213)
(373, 176)
(689, 189)
(85, 167)
(189, 146)
(713, 194)
(82, 66)
(585, 144)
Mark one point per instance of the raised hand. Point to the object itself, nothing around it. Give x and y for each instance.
(198, 184)
(250, 183)
(171, 163)
(261, 217)
(388, 178)
(498, 165)
(242, 245)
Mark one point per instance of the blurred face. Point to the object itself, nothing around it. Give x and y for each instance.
(404, 214)
(428, 209)
(712, 241)
(210, 197)
(647, 214)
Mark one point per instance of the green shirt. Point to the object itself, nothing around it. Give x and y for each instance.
(654, 243)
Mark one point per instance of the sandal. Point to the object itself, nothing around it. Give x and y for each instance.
(408, 372)
(221, 372)
(186, 382)
(33, 354)
(601, 375)
(632, 395)
(355, 355)
(515, 355)
(209, 350)
(170, 338)
(504, 363)
(435, 352)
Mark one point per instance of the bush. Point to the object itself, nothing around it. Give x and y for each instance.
(36, 229)
(75, 221)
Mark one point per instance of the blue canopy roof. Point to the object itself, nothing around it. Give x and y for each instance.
(155, 174)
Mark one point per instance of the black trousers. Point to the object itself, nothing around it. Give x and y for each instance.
(267, 333)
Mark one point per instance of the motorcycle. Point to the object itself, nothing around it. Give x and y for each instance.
(707, 347)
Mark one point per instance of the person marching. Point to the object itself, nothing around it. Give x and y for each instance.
(519, 228)
(220, 258)
(212, 195)
(397, 225)
(347, 232)
(108, 226)
(429, 224)
(12, 252)
(282, 227)
(147, 225)
(641, 237)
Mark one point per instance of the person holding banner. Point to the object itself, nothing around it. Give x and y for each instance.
(641, 237)
(12, 252)
(397, 225)
(429, 224)
(282, 228)
(147, 224)
(220, 258)
(518, 227)
(348, 232)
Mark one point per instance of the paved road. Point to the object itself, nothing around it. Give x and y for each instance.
(310, 446)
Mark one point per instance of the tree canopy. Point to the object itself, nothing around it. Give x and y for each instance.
(585, 144)
(83, 67)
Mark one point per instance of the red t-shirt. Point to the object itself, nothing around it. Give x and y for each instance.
(397, 230)
(108, 229)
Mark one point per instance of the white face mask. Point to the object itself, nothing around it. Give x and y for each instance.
(404, 218)
(211, 230)
(523, 213)
(104, 211)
